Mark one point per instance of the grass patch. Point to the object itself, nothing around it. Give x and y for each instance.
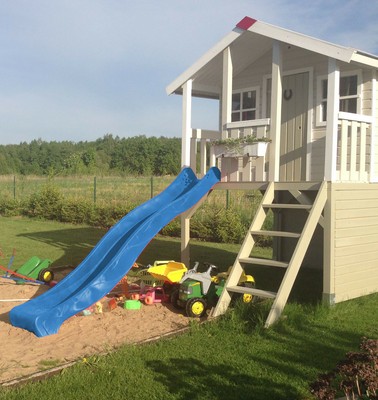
(231, 358)
(50, 363)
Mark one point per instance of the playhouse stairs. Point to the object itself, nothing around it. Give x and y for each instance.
(302, 202)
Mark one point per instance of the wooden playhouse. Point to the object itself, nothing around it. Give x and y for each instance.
(311, 107)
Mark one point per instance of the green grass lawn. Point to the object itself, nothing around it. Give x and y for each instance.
(230, 358)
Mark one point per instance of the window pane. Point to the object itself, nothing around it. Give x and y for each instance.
(249, 99)
(235, 117)
(248, 115)
(268, 97)
(324, 111)
(348, 85)
(324, 88)
(348, 105)
(236, 101)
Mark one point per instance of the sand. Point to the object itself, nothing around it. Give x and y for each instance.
(23, 353)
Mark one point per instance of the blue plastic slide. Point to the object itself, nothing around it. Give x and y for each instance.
(112, 257)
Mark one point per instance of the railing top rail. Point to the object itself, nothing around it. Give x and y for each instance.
(248, 124)
(206, 134)
(355, 117)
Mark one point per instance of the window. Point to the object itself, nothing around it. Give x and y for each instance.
(350, 89)
(244, 105)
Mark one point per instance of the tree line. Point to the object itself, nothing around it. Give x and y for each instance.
(138, 155)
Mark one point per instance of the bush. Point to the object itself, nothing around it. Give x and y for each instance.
(76, 212)
(217, 224)
(10, 208)
(46, 203)
(106, 217)
(210, 223)
(173, 229)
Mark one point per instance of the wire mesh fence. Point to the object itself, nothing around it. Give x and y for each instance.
(117, 190)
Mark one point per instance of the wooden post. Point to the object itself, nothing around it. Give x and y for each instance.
(185, 238)
(332, 117)
(203, 153)
(226, 90)
(329, 249)
(373, 133)
(185, 162)
(186, 123)
(275, 118)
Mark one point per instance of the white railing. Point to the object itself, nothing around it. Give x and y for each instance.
(235, 169)
(353, 147)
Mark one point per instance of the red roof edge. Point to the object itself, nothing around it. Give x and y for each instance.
(246, 23)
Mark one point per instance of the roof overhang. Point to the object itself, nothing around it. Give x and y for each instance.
(248, 41)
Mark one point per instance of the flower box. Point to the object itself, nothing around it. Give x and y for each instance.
(257, 149)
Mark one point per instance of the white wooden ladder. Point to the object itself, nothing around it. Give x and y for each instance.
(314, 209)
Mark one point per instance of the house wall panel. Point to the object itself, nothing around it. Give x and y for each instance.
(354, 290)
(353, 271)
(355, 250)
(354, 267)
(356, 231)
(358, 213)
(347, 243)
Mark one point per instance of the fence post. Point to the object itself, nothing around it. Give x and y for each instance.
(227, 199)
(94, 190)
(14, 187)
(152, 187)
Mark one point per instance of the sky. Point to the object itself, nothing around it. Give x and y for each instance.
(80, 69)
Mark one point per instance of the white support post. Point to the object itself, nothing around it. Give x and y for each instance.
(185, 239)
(332, 120)
(227, 91)
(275, 119)
(186, 123)
(373, 127)
(213, 160)
(193, 154)
(185, 161)
(203, 152)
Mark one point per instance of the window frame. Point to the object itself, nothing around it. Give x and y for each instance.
(255, 89)
(320, 99)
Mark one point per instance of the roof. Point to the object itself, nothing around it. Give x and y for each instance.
(259, 36)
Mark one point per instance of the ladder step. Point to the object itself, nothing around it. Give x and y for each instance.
(276, 233)
(263, 261)
(289, 206)
(252, 291)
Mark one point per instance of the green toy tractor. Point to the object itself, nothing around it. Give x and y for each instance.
(200, 291)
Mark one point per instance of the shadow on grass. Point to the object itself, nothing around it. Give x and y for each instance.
(76, 243)
(190, 378)
(278, 363)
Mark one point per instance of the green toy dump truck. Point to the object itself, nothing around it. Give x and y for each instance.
(38, 269)
(200, 291)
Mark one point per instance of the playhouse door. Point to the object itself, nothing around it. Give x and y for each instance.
(294, 127)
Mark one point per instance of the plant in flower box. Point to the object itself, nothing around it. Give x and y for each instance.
(247, 146)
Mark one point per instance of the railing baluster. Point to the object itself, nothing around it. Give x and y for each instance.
(362, 170)
(344, 150)
(353, 150)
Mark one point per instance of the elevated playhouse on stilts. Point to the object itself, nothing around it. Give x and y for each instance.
(311, 108)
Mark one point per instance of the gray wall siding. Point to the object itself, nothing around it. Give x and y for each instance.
(295, 59)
